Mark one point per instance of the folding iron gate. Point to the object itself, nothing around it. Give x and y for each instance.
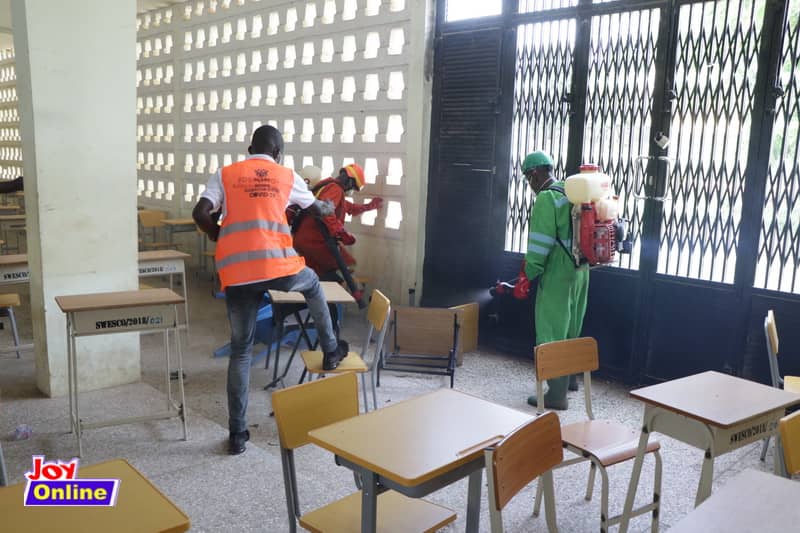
(715, 212)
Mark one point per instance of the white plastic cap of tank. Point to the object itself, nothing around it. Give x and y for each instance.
(311, 174)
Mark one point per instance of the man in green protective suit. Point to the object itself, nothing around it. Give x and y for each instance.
(562, 288)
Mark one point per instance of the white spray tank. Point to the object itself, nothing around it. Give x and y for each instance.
(594, 214)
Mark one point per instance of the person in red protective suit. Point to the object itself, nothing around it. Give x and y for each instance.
(309, 238)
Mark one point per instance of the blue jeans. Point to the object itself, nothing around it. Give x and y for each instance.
(243, 302)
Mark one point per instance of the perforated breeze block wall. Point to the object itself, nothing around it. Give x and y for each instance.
(10, 139)
(333, 75)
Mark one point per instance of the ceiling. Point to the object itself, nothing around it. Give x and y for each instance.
(6, 39)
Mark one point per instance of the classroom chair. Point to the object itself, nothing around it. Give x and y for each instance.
(602, 442)
(530, 451)
(424, 340)
(303, 408)
(7, 304)
(151, 221)
(789, 383)
(789, 428)
(377, 322)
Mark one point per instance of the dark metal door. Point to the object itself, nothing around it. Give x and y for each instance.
(463, 161)
(695, 299)
(693, 109)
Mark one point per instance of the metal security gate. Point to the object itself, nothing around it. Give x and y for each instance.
(692, 108)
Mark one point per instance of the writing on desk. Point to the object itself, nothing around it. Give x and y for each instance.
(158, 269)
(755, 430)
(128, 322)
(52, 483)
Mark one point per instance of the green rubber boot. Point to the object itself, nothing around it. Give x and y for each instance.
(556, 396)
(573, 382)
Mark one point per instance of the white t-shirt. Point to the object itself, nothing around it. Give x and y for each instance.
(215, 193)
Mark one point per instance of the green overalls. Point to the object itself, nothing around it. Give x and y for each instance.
(562, 288)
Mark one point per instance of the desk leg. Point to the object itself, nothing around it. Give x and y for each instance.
(647, 426)
(279, 318)
(304, 335)
(185, 302)
(166, 370)
(474, 501)
(69, 377)
(779, 463)
(74, 366)
(181, 391)
(369, 501)
(706, 477)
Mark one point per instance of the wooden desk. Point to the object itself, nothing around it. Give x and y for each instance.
(420, 445)
(167, 263)
(140, 507)
(117, 312)
(291, 303)
(714, 412)
(752, 502)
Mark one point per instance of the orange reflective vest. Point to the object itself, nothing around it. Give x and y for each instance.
(255, 241)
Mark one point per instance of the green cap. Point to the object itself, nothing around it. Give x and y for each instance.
(536, 159)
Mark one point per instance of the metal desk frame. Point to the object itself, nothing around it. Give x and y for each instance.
(81, 323)
(713, 439)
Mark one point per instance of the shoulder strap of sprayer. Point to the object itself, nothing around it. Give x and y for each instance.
(558, 189)
(303, 212)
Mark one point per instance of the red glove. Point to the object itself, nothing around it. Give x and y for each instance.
(346, 238)
(522, 287)
(357, 209)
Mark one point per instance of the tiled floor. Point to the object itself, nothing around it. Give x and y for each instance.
(245, 493)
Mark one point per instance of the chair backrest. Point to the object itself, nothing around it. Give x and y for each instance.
(790, 437)
(426, 330)
(378, 311)
(380, 308)
(302, 408)
(771, 334)
(149, 218)
(562, 358)
(523, 455)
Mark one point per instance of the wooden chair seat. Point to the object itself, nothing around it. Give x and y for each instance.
(9, 300)
(609, 442)
(396, 514)
(791, 384)
(352, 363)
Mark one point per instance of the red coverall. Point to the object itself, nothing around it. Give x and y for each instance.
(309, 241)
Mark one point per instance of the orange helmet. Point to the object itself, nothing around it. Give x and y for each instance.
(357, 173)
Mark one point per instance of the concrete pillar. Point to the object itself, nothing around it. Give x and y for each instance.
(76, 80)
(420, 84)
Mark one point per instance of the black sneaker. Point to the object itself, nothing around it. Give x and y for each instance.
(236, 442)
(332, 359)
